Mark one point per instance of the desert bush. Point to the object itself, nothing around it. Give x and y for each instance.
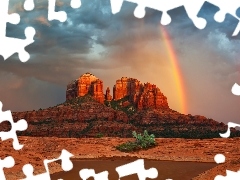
(144, 141)
(99, 135)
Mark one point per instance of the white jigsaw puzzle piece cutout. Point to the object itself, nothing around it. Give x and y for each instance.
(29, 5)
(75, 4)
(227, 8)
(137, 167)
(61, 15)
(9, 46)
(219, 158)
(230, 125)
(53, 15)
(192, 8)
(7, 162)
(21, 125)
(236, 89)
(66, 165)
(231, 175)
(87, 173)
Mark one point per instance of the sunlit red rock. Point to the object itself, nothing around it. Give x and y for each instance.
(145, 95)
(86, 84)
(135, 107)
(108, 96)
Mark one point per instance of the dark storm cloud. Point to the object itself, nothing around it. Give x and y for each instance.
(74, 35)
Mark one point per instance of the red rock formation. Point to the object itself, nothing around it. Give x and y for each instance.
(97, 90)
(108, 96)
(126, 87)
(142, 95)
(86, 84)
(84, 117)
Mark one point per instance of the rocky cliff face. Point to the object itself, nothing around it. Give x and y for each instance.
(143, 96)
(85, 117)
(86, 84)
(134, 107)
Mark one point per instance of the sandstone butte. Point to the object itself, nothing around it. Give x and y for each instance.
(88, 112)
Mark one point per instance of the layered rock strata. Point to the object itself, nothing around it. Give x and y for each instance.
(86, 84)
(143, 96)
(134, 107)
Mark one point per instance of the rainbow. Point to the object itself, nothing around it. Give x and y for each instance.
(176, 69)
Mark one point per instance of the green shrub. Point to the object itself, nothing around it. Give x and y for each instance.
(144, 141)
(99, 135)
(128, 147)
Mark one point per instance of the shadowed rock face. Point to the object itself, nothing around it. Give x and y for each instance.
(87, 112)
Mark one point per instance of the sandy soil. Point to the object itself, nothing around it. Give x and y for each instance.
(35, 150)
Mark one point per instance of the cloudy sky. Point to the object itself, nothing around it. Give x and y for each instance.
(111, 46)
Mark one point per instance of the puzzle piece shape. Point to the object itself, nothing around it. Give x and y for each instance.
(137, 167)
(9, 46)
(7, 162)
(61, 15)
(192, 8)
(52, 14)
(66, 166)
(21, 125)
(219, 158)
(230, 125)
(227, 8)
(28, 5)
(236, 89)
(75, 4)
(231, 175)
(87, 173)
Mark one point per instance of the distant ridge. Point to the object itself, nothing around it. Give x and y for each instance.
(88, 112)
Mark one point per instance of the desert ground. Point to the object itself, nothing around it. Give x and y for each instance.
(36, 149)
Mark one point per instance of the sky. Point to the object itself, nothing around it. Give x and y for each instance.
(111, 46)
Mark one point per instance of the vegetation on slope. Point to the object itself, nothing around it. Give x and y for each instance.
(144, 141)
(118, 105)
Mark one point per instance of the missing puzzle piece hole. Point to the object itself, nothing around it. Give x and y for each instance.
(166, 19)
(236, 89)
(28, 5)
(219, 16)
(27, 169)
(29, 33)
(139, 12)
(8, 162)
(75, 4)
(219, 158)
(14, 18)
(24, 56)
